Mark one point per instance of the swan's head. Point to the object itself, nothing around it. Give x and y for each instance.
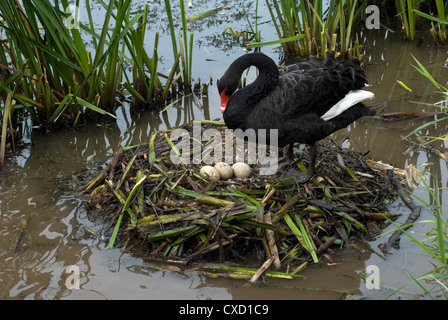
(227, 85)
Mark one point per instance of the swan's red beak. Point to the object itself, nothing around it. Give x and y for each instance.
(224, 101)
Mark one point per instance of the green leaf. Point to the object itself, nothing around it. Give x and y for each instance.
(425, 72)
(427, 16)
(274, 42)
(115, 232)
(301, 235)
(404, 86)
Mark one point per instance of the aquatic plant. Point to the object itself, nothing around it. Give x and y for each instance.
(439, 33)
(55, 75)
(409, 10)
(406, 14)
(47, 65)
(42, 67)
(185, 53)
(318, 32)
(50, 72)
(443, 104)
(435, 245)
(307, 28)
(252, 34)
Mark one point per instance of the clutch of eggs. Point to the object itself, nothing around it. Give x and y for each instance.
(224, 171)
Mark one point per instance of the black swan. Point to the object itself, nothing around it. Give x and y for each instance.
(306, 101)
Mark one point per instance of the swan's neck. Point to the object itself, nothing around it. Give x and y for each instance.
(267, 80)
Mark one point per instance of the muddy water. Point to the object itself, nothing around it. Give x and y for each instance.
(39, 178)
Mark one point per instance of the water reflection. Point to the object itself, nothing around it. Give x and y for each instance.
(137, 127)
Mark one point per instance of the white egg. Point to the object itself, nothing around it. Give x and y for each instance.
(209, 171)
(241, 170)
(225, 170)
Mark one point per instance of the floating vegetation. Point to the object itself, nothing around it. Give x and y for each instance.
(169, 211)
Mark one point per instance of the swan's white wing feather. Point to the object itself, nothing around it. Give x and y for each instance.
(350, 99)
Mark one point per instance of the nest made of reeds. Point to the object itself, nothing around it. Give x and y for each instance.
(166, 210)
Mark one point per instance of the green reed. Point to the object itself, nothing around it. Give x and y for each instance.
(55, 68)
(408, 10)
(185, 52)
(49, 72)
(318, 32)
(444, 91)
(406, 14)
(53, 74)
(145, 85)
(252, 35)
(304, 28)
(439, 33)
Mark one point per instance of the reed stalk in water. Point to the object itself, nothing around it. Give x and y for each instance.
(405, 10)
(53, 75)
(319, 31)
(439, 32)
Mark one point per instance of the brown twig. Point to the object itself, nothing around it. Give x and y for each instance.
(212, 247)
(270, 237)
(114, 162)
(288, 205)
(260, 271)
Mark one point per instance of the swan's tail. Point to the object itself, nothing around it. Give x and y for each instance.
(350, 99)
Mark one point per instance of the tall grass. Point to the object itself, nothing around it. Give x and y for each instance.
(406, 14)
(56, 74)
(439, 33)
(408, 10)
(306, 28)
(145, 85)
(50, 59)
(321, 31)
(49, 73)
(185, 51)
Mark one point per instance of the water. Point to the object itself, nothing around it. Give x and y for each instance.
(39, 178)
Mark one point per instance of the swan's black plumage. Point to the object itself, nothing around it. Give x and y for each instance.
(292, 99)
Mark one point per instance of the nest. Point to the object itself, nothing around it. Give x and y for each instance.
(163, 210)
